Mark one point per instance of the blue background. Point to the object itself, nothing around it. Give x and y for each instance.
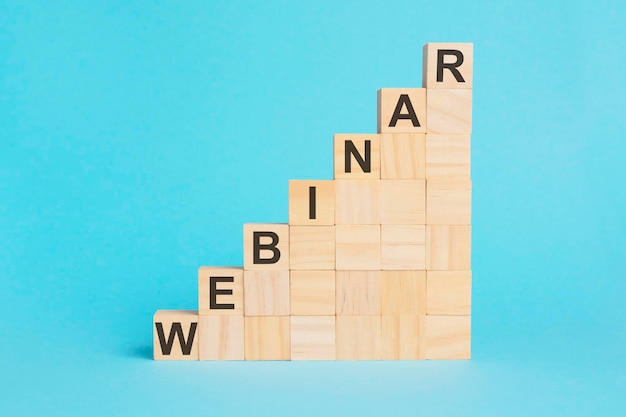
(137, 138)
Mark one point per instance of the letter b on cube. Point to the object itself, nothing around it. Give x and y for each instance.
(266, 246)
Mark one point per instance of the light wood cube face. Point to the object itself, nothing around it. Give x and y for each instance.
(448, 65)
(358, 337)
(403, 156)
(313, 338)
(312, 293)
(403, 337)
(221, 338)
(266, 246)
(358, 247)
(267, 338)
(403, 202)
(266, 293)
(357, 202)
(220, 291)
(447, 156)
(312, 247)
(449, 111)
(358, 293)
(449, 201)
(448, 337)
(449, 293)
(448, 248)
(402, 110)
(357, 156)
(311, 203)
(403, 293)
(403, 247)
(175, 335)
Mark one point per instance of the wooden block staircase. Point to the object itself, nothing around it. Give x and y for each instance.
(374, 264)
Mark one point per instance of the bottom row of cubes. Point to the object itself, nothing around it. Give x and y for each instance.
(406, 337)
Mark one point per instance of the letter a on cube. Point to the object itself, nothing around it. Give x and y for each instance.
(402, 110)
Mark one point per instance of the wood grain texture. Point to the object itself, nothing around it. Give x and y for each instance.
(403, 247)
(357, 202)
(358, 247)
(300, 212)
(403, 201)
(449, 293)
(312, 293)
(447, 156)
(449, 111)
(403, 156)
(448, 337)
(267, 338)
(358, 337)
(403, 293)
(448, 80)
(405, 102)
(448, 248)
(313, 338)
(223, 301)
(266, 254)
(312, 247)
(175, 335)
(403, 337)
(221, 338)
(266, 293)
(449, 201)
(358, 293)
(353, 169)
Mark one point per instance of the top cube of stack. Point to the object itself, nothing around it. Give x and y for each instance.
(447, 65)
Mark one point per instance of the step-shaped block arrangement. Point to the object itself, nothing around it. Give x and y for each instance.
(374, 264)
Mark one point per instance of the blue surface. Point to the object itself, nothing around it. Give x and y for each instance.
(137, 139)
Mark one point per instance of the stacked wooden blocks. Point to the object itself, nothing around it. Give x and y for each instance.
(374, 264)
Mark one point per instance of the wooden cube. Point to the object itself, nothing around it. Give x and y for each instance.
(403, 293)
(266, 293)
(220, 290)
(357, 247)
(221, 338)
(311, 203)
(447, 65)
(402, 247)
(402, 110)
(449, 111)
(403, 201)
(449, 201)
(358, 337)
(312, 247)
(265, 246)
(313, 338)
(449, 293)
(358, 293)
(357, 156)
(312, 293)
(175, 335)
(448, 337)
(357, 202)
(448, 248)
(267, 338)
(403, 156)
(447, 156)
(403, 337)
